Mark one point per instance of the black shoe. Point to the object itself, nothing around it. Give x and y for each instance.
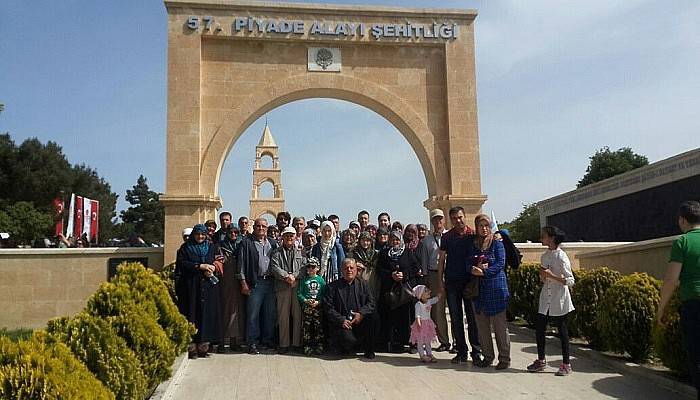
(443, 347)
(370, 355)
(253, 349)
(483, 363)
(283, 350)
(502, 365)
(453, 350)
(477, 358)
(459, 359)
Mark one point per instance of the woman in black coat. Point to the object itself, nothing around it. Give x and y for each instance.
(396, 266)
(198, 290)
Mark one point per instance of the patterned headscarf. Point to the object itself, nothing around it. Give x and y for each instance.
(200, 249)
(482, 243)
(352, 245)
(366, 256)
(395, 252)
(411, 228)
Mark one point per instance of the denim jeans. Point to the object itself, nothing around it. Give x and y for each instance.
(262, 313)
(454, 289)
(690, 325)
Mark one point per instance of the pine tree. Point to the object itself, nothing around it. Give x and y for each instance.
(146, 215)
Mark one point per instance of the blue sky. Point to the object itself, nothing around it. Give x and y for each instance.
(556, 81)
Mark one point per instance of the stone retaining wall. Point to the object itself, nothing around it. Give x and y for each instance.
(39, 284)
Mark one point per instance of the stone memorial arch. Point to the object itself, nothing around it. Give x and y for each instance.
(232, 61)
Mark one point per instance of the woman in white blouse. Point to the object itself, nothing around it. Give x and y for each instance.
(555, 298)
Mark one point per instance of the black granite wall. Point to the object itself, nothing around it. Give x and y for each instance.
(638, 216)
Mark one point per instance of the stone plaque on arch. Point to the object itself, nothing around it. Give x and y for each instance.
(231, 61)
(324, 59)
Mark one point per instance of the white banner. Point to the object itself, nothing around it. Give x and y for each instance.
(71, 216)
(87, 216)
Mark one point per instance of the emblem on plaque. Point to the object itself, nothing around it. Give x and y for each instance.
(324, 59)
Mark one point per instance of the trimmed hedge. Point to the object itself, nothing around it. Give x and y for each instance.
(627, 315)
(524, 286)
(42, 368)
(93, 341)
(587, 295)
(668, 339)
(167, 275)
(147, 286)
(135, 323)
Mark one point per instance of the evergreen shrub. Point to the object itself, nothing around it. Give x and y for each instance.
(94, 342)
(136, 324)
(524, 285)
(167, 275)
(627, 315)
(42, 368)
(668, 339)
(148, 287)
(587, 295)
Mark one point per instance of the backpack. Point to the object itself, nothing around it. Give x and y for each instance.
(513, 256)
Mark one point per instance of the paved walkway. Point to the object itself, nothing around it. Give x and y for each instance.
(390, 376)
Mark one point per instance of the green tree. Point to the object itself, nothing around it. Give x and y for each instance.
(35, 172)
(606, 163)
(146, 215)
(526, 226)
(24, 223)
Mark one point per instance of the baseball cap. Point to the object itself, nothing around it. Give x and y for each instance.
(436, 212)
(289, 229)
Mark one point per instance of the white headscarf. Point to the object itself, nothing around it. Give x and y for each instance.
(326, 245)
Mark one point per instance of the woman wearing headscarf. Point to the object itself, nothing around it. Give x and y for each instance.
(199, 288)
(410, 238)
(397, 226)
(491, 303)
(396, 266)
(381, 239)
(349, 241)
(366, 257)
(329, 251)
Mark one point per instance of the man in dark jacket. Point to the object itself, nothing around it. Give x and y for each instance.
(351, 311)
(225, 220)
(257, 282)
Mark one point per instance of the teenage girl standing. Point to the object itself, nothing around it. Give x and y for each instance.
(555, 298)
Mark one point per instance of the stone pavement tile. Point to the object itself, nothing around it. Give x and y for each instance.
(402, 376)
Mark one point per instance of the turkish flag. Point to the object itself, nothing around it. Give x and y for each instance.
(58, 216)
(78, 223)
(95, 220)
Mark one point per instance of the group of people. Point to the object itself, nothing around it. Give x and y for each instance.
(312, 288)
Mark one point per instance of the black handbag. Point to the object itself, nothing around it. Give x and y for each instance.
(400, 294)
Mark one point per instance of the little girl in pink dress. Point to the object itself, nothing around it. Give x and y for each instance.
(423, 329)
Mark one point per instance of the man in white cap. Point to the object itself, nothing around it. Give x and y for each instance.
(186, 234)
(427, 253)
(286, 263)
